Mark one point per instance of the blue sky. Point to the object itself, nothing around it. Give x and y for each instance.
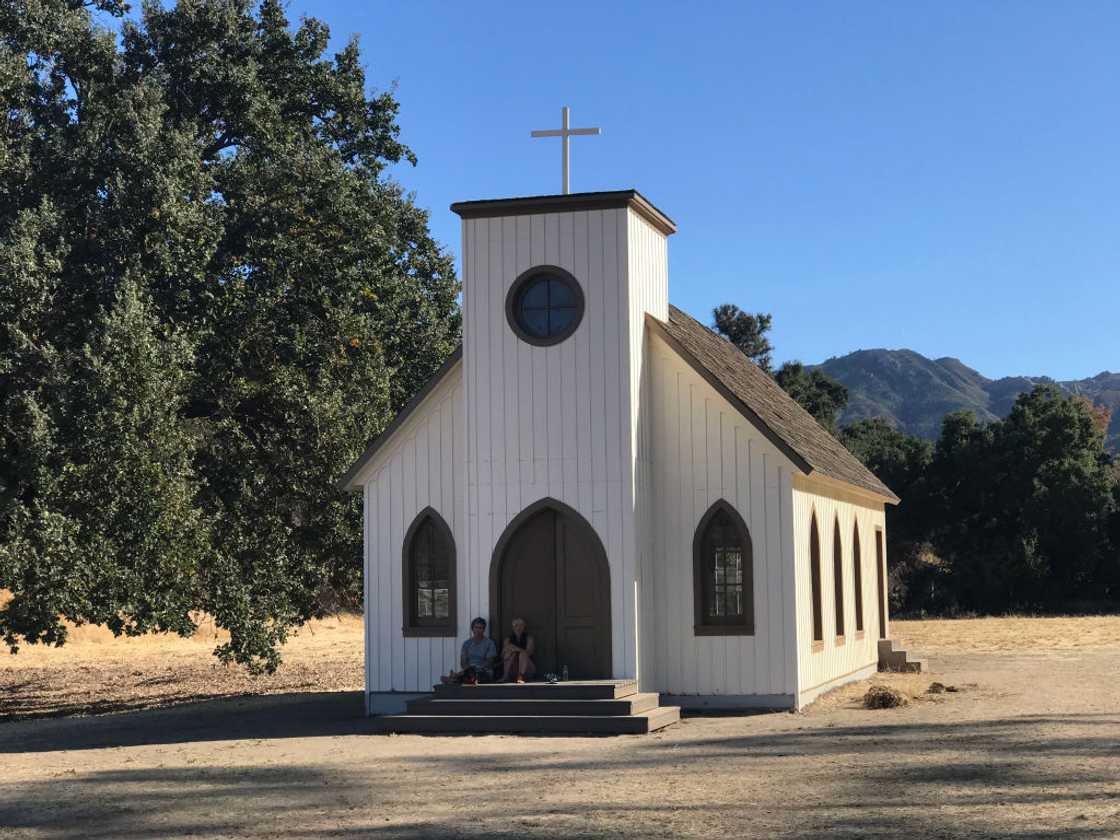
(940, 176)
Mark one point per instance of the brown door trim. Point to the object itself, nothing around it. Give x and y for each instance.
(498, 556)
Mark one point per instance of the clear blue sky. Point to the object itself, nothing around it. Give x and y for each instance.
(939, 176)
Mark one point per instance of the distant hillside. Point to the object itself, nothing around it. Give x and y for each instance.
(915, 392)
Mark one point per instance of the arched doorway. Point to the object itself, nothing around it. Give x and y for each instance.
(549, 567)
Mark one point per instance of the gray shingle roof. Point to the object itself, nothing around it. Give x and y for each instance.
(762, 401)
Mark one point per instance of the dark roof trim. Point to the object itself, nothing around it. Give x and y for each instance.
(727, 394)
(567, 204)
(398, 421)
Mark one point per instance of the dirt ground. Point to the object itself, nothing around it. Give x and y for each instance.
(1030, 747)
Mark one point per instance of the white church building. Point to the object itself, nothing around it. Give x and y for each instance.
(598, 462)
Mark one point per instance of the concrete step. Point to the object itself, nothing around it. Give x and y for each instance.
(575, 690)
(639, 724)
(630, 705)
(895, 659)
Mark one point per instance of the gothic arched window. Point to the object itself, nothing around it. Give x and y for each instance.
(723, 574)
(429, 577)
(815, 579)
(857, 576)
(838, 577)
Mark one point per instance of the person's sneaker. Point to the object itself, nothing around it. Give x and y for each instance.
(521, 681)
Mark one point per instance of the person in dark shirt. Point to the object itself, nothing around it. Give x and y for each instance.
(517, 654)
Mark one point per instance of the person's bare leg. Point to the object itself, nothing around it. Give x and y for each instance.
(522, 666)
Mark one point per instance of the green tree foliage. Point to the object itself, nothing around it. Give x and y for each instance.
(214, 187)
(817, 393)
(746, 331)
(901, 462)
(113, 533)
(1021, 507)
(1020, 513)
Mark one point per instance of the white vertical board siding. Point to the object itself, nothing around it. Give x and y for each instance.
(705, 450)
(420, 467)
(514, 423)
(648, 268)
(837, 659)
(559, 421)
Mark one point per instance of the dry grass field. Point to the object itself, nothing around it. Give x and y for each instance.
(150, 738)
(986, 635)
(95, 673)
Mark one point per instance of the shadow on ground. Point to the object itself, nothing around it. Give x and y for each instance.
(263, 716)
(1035, 775)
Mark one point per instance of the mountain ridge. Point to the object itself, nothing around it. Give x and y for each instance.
(915, 392)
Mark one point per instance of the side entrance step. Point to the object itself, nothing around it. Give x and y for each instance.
(605, 707)
(892, 659)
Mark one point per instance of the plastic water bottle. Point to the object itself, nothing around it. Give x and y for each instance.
(565, 673)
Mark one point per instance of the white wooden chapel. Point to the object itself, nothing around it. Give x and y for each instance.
(597, 461)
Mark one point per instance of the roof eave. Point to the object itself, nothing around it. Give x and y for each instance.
(567, 203)
(749, 413)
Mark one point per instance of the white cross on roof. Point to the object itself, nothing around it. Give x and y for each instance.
(564, 132)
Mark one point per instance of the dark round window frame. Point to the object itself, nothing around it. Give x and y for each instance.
(517, 289)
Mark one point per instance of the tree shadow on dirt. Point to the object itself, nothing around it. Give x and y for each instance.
(328, 802)
(884, 779)
(301, 715)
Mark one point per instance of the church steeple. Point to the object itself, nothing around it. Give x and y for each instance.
(556, 290)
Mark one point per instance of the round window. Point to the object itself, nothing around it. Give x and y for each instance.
(544, 305)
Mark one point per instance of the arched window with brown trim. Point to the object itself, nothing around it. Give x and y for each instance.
(857, 576)
(723, 574)
(838, 577)
(815, 577)
(429, 577)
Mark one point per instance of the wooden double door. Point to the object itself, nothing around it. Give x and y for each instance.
(550, 569)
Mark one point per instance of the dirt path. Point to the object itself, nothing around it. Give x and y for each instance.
(1030, 748)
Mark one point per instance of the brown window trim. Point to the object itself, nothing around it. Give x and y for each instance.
(881, 581)
(409, 629)
(857, 576)
(816, 585)
(838, 580)
(514, 295)
(699, 626)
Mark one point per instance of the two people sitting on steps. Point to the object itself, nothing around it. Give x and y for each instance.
(479, 655)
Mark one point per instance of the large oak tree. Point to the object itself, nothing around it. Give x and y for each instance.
(213, 295)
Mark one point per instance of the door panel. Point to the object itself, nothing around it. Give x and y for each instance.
(529, 586)
(581, 624)
(554, 575)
